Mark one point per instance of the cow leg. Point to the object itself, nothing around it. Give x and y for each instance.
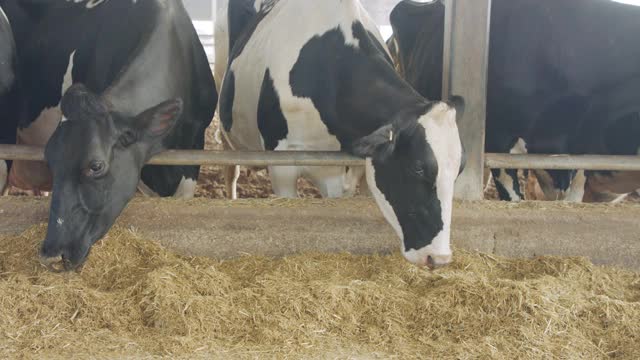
(4, 176)
(354, 177)
(546, 184)
(186, 189)
(507, 181)
(576, 190)
(284, 180)
(335, 182)
(364, 186)
(486, 178)
(507, 184)
(231, 175)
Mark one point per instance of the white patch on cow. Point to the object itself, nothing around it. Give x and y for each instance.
(67, 81)
(575, 193)
(60, 222)
(507, 182)
(520, 147)
(186, 189)
(4, 175)
(40, 130)
(442, 135)
(384, 205)
(4, 17)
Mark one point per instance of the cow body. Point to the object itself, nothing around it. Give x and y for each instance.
(303, 132)
(316, 76)
(136, 81)
(568, 87)
(134, 53)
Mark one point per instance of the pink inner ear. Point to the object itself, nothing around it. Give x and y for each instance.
(165, 117)
(161, 126)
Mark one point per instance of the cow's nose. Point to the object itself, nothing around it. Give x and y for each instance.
(53, 263)
(437, 261)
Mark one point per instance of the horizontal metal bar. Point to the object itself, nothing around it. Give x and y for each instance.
(332, 158)
(563, 162)
(256, 158)
(208, 157)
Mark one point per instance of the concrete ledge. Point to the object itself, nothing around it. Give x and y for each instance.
(607, 234)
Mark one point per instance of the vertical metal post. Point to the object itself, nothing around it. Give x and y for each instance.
(466, 54)
(214, 7)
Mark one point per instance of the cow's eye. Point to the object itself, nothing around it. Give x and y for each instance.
(127, 138)
(96, 169)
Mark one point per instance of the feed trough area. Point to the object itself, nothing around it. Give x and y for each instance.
(324, 279)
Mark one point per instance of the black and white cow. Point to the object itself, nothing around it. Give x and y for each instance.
(315, 75)
(331, 181)
(141, 84)
(570, 86)
(10, 99)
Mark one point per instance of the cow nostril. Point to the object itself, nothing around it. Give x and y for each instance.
(430, 263)
(54, 263)
(438, 261)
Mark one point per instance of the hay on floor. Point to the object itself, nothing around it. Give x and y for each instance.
(134, 298)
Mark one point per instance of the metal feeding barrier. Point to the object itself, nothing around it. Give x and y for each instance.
(332, 158)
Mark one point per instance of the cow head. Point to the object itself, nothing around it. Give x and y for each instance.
(411, 168)
(96, 156)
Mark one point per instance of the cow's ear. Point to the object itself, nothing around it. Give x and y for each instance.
(158, 121)
(379, 145)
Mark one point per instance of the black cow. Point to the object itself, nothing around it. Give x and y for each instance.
(141, 84)
(563, 78)
(330, 85)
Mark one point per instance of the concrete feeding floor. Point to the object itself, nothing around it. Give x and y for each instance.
(607, 234)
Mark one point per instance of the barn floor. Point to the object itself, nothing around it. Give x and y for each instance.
(137, 299)
(606, 234)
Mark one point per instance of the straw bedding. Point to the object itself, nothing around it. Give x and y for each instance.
(135, 299)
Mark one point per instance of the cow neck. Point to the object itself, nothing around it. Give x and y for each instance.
(149, 65)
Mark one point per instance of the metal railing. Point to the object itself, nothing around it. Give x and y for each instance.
(332, 158)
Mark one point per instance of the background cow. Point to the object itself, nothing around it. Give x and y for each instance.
(142, 84)
(331, 181)
(570, 86)
(316, 76)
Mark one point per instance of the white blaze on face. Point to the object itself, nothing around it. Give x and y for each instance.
(442, 135)
(381, 200)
